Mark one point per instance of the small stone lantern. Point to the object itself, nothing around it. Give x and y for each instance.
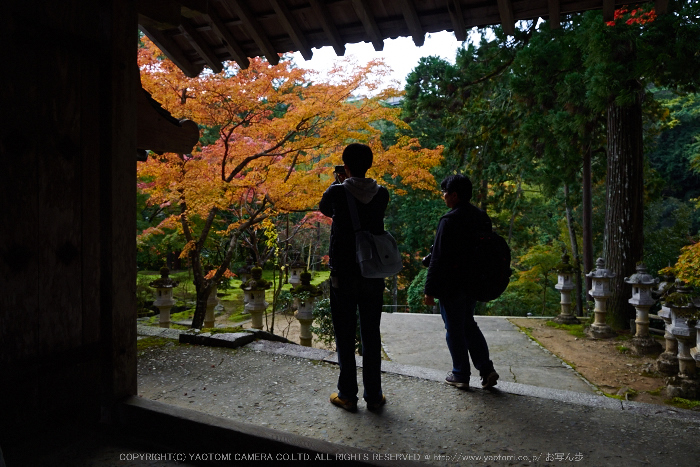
(212, 302)
(600, 291)
(565, 285)
(683, 321)
(304, 297)
(296, 269)
(244, 274)
(642, 286)
(667, 363)
(254, 291)
(164, 296)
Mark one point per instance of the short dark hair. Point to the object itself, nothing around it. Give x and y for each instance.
(458, 184)
(358, 158)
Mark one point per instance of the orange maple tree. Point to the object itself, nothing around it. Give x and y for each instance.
(279, 134)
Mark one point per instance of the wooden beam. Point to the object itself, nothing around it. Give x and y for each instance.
(329, 28)
(171, 50)
(505, 8)
(232, 45)
(412, 21)
(554, 14)
(454, 8)
(191, 8)
(363, 11)
(158, 131)
(290, 25)
(661, 6)
(165, 13)
(254, 30)
(201, 46)
(608, 10)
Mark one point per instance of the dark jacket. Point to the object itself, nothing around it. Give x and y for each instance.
(371, 201)
(449, 261)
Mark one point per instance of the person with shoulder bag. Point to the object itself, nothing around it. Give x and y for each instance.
(350, 291)
(447, 277)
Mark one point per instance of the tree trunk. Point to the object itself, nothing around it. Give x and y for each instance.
(587, 208)
(624, 217)
(201, 305)
(574, 252)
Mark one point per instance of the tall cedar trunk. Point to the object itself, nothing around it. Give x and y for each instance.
(574, 252)
(587, 207)
(624, 220)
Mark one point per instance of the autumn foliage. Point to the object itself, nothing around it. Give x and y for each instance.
(270, 137)
(638, 16)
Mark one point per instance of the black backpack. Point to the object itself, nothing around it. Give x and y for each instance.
(489, 269)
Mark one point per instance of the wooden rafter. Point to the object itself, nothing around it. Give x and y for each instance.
(254, 30)
(364, 12)
(457, 18)
(608, 10)
(413, 22)
(236, 51)
(554, 14)
(290, 25)
(505, 9)
(171, 50)
(324, 17)
(201, 46)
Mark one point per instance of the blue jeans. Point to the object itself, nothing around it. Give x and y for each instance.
(464, 338)
(355, 293)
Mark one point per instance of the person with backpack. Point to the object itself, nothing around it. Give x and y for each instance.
(350, 291)
(448, 274)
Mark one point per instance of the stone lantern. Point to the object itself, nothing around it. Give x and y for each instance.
(304, 298)
(212, 302)
(683, 321)
(600, 291)
(296, 269)
(254, 291)
(667, 363)
(642, 287)
(244, 274)
(697, 342)
(164, 296)
(244, 271)
(565, 273)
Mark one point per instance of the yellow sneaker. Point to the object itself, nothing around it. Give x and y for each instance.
(350, 406)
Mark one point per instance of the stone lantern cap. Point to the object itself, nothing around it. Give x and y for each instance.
(642, 284)
(256, 282)
(297, 265)
(305, 287)
(600, 272)
(666, 286)
(642, 277)
(164, 281)
(600, 279)
(681, 302)
(564, 267)
(565, 270)
(243, 270)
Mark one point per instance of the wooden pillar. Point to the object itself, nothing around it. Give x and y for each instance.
(67, 194)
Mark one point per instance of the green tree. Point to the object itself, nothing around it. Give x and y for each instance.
(623, 58)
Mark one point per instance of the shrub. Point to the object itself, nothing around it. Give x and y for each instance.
(416, 293)
(323, 326)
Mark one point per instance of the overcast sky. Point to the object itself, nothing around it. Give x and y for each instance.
(400, 54)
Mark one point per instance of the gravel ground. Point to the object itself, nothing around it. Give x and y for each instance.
(423, 420)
